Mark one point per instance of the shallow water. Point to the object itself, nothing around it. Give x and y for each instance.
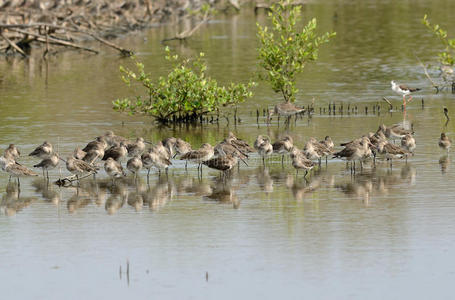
(383, 233)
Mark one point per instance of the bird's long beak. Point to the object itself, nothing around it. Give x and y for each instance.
(147, 142)
(62, 159)
(243, 161)
(241, 152)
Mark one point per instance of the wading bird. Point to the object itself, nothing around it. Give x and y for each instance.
(403, 90)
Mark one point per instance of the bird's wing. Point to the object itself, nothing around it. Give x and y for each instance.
(404, 87)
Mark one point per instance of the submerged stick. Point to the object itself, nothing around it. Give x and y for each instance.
(388, 102)
(123, 51)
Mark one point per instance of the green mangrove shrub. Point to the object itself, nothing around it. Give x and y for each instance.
(286, 47)
(184, 95)
(446, 56)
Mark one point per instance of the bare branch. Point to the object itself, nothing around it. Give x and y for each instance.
(426, 73)
(13, 44)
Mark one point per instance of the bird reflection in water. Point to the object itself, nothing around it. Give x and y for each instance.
(373, 183)
(223, 192)
(12, 201)
(264, 179)
(301, 186)
(444, 163)
(77, 201)
(408, 174)
(191, 185)
(113, 203)
(136, 201)
(47, 190)
(158, 194)
(117, 197)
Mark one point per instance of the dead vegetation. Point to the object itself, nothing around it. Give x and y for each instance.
(69, 23)
(53, 24)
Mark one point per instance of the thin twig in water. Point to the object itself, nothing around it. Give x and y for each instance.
(390, 103)
(426, 74)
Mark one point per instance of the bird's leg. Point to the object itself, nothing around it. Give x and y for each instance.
(93, 160)
(282, 160)
(306, 172)
(186, 165)
(47, 174)
(18, 182)
(404, 101)
(410, 98)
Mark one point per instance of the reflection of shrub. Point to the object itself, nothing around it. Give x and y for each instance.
(184, 95)
(285, 49)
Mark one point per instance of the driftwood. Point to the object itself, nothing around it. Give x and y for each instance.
(12, 44)
(67, 181)
(47, 39)
(190, 31)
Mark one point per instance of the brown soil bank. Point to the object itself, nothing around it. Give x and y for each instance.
(68, 22)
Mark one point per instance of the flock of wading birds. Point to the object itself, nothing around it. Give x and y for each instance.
(113, 149)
